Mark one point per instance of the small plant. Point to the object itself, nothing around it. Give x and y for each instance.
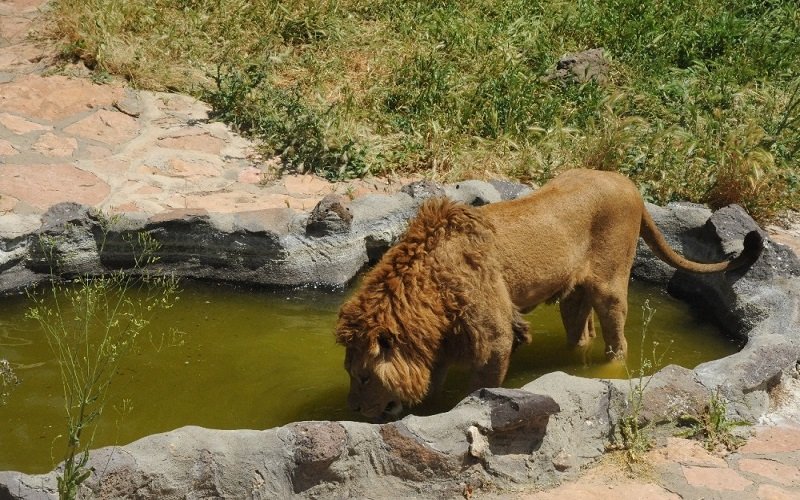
(8, 380)
(91, 323)
(634, 436)
(713, 427)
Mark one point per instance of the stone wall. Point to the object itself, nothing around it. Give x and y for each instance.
(493, 440)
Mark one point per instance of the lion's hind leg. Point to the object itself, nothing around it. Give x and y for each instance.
(611, 304)
(576, 314)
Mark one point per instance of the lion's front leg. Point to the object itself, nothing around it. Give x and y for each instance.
(489, 326)
(438, 376)
(491, 364)
(493, 372)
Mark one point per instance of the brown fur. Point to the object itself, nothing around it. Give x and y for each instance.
(451, 290)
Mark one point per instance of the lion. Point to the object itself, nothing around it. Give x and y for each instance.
(453, 289)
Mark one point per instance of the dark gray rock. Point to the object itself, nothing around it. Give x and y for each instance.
(265, 247)
(510, 190)
(317, 445)
(581, 67)
(578, 433)
(66, 241)
(755, 369)
(671, 392)
(330, 216)
(420, 190)
(513, 408)
(424, 457)
(475, 193)
(730, 224)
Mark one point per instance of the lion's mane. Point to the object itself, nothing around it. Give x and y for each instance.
(416, 296)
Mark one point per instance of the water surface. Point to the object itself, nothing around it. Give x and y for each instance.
(256, 359)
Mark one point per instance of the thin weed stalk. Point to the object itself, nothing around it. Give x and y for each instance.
(91, 324)
(634, 436)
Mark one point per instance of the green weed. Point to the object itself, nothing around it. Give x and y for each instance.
(8, 380)
(713, 427)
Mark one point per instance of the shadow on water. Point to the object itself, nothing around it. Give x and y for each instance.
(256, 359)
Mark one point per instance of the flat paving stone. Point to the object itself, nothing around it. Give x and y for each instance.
(21, 126)
(54, 98)
(773, 440)
(109, 127)
(687, 452)
(715, 478)
(56, 146)
(7, 149)
(621, 491)
(787, 475)
(202, 141)
(42, 186)
(771, 492)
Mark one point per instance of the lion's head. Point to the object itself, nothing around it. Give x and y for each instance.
(393, 327)
(388, 367)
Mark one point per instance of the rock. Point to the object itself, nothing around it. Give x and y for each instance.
(510, 190)
(671, 392)
(581, 67)
(419, 190)
(317, 445)
(475, 193)
(563, 461)
(755, 369)
(17, 486)
(130, 104)
(583, 427)
(513, 408)
(500, 437)
(478, 444)
(730, 224)
(109, 127)
(410, 457)
(330, 216)
(55, 98)
(43, 186)
(65, 242)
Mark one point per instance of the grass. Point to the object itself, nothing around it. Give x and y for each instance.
(701, 103)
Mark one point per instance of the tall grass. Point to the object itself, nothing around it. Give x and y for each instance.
(701, 103)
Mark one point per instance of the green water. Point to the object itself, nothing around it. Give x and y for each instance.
(256, 360)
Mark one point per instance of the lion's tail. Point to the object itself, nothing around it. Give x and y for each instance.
(753, 245)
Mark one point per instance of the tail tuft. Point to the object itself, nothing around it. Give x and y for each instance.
(753, 246)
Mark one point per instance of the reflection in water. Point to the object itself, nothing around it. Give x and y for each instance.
(249, 359)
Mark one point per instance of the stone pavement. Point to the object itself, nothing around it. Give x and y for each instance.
(121, 150)
(765, 468)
